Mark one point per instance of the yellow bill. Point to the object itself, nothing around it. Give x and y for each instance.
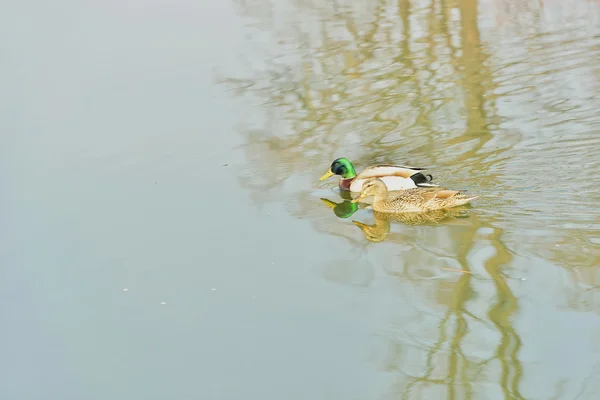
(328, 174)
(360, 225)
(329, 203)
(359, 198)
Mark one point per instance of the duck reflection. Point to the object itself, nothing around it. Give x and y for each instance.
(381, 228)
(344, 210)
(379, 231)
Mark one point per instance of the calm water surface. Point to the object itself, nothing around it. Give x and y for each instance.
(165, 235)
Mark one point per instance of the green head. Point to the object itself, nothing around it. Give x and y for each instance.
(342, 167)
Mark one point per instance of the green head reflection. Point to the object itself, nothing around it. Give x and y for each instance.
(344, 209)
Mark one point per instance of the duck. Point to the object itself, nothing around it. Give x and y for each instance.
(411, 200)
(395, 177)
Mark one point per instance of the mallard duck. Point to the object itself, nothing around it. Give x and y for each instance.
(395, 177)
(411, 200)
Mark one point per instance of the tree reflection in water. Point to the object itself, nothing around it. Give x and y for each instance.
(401, 82)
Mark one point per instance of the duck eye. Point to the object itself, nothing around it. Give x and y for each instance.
(338, 169)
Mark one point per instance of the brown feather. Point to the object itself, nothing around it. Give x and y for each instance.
(405, 173)
(411, 200)
(388, 170)
(446, 194)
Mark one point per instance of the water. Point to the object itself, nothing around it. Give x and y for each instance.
(165, 235)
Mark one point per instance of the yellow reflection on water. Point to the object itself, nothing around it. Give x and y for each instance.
(494, 97)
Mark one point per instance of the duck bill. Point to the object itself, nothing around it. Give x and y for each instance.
(360, 225)
(329, 203)
(328, 174)
(359, 198)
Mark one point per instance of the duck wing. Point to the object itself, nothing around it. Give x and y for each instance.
(383, 171)
(440, 193)
(423, 194)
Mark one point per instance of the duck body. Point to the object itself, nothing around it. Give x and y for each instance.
(411, 200)
(395, 177)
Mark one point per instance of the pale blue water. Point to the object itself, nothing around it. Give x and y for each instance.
(162, 229)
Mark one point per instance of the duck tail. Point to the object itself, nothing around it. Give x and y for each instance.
(463, 199)
(422, 180)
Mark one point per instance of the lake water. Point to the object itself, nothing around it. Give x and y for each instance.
(165, 235)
